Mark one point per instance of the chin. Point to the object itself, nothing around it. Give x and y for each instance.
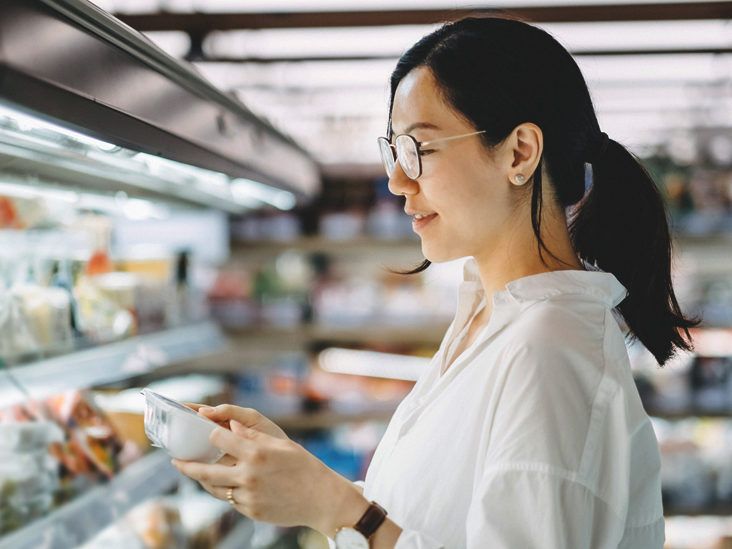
(441, 255)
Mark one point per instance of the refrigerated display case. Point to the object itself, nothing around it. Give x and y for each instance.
(118, 166)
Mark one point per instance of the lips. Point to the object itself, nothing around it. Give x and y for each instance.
(419, 224)
(426, 217)
(412, 213)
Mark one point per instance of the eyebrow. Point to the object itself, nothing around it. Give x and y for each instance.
(423, 125)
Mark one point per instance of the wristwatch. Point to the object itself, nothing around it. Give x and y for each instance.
(358, 536)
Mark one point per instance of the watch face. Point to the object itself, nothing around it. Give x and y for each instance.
(350, 538)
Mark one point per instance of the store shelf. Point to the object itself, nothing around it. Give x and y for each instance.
(408, 332)
(109, 363)
(329, 418)
(689, 413)
(81, 519)
(240, 536)
(713, 511)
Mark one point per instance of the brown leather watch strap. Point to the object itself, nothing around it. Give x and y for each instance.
(371, 519)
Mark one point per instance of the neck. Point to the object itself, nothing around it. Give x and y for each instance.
(516, 255)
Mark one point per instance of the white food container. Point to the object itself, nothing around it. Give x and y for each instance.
(179, 430)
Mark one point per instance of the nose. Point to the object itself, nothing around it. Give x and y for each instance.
(400, 184)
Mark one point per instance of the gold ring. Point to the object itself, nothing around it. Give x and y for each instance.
(230, 496)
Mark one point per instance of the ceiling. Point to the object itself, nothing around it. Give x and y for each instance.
(659, 74)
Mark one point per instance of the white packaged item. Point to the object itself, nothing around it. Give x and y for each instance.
(179, 430)
(28, 437)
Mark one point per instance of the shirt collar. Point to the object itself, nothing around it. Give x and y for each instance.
(593, 282)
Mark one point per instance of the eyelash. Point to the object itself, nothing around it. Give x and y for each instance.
(426, 152)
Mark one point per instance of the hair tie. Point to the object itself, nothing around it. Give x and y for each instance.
(598, 150)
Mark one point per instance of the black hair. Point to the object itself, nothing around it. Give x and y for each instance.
(498, 72)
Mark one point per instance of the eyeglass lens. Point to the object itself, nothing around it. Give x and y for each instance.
(387, 155)
(406, 154)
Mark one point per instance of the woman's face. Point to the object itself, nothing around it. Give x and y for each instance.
(462, 183)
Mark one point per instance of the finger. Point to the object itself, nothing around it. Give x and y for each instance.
(245, 416)
(224, 423)
(227, 460)
(243, 431)
(193, 405)
(215, 474)
(238, 444)
(222, 492)
(215, 491)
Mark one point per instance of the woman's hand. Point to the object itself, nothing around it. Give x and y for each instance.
(248, 417)
(274, 479)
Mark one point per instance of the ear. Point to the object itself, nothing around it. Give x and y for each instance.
(527, 144)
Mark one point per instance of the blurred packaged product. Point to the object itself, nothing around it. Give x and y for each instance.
(26, 437)
(16, 340)
(27, 487)
(89, 431)
(345, 225)
(351, 302)
(101, 319)
(344, 460)
(179, 300)
(205, 520)
(381, 299)
(386, 218)
(695, 464)
(154, 293)
(276, 389)
(275, 226)
(189, 518)
(157, 524)
(40, 320)
(348, 393)
(100, 228)
(29, 476)
(17, 212)
(710, 380)
(282, 312)
(279, 295)
(63, 278)
(696, 383)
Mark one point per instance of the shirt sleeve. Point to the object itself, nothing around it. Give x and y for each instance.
(532, 508)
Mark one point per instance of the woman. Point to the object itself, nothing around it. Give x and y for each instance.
(526, 431)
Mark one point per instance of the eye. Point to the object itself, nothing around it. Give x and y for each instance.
(425, 152)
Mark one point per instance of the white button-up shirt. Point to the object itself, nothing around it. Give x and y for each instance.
(534, 437)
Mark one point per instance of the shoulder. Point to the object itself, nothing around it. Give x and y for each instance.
(558, 329)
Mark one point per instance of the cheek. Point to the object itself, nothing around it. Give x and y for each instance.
(482, 211)
(464, 191)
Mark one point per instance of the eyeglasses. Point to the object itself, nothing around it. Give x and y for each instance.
(409, 152)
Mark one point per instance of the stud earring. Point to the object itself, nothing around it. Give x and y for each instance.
(520, 179)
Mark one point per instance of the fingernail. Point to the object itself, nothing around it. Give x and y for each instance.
(236, 424)
(206, 409)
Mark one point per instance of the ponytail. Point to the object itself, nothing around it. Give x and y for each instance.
(622, 228)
